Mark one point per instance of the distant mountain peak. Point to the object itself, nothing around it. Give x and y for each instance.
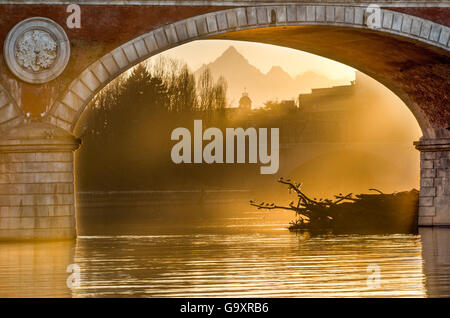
(276, 68)
(231, 60)
(231, 50)
(232, 54)
(278, 72)
(275, 84)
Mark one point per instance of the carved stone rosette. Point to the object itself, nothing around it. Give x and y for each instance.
(37, 50)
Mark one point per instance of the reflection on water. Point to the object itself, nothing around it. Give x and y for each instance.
(251, 256)
(35, 269)
(277, 264)
(436, 254)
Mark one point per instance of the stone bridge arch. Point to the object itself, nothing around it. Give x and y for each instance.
(271, 20)
(408, 54)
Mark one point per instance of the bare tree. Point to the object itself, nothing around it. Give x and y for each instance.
(205, 89)
(220, 94)
(184, 91)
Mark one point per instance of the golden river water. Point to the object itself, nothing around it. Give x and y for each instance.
(252, 255)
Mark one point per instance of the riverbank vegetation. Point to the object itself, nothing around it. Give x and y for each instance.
(126, 129)
(375, 212)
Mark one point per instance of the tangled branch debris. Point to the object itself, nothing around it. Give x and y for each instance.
(362, 213)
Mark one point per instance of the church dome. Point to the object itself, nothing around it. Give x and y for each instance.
(245, 102)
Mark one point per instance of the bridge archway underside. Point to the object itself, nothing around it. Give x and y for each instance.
(409, 54)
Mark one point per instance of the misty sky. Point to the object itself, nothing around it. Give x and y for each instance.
(263, 56)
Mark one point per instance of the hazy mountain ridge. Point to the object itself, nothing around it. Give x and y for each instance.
(275, 84)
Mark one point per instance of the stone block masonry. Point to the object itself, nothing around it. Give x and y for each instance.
(37, 183)
(434, 200)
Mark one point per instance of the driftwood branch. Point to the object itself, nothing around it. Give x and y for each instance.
(373, 189)
(347, 210)
(305, 207)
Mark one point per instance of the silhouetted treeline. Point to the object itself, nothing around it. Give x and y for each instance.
(168, 86)
(126, 129)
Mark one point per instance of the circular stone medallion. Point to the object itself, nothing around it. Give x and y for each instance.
(37, 50)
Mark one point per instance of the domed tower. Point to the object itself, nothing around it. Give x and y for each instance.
(245, 103)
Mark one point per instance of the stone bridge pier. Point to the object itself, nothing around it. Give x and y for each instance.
(51, 68)
(434, 197)
(37, 182)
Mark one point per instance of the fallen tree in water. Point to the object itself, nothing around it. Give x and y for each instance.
(362, 213)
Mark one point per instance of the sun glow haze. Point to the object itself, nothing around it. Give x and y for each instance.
(262, 56)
